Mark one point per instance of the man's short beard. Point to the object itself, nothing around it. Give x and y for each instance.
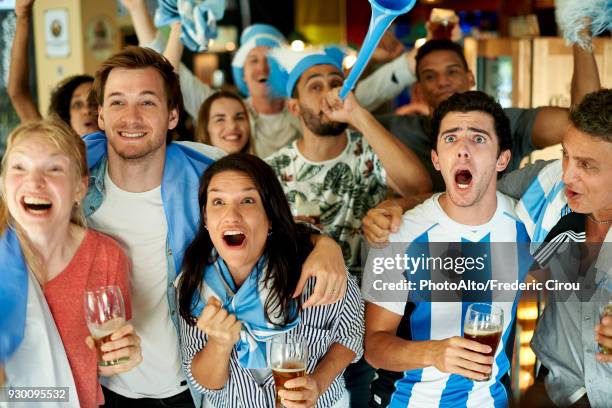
(316, 125)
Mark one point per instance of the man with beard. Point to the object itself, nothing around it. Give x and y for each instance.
(340, 173)
(417, 343)
(344, 172)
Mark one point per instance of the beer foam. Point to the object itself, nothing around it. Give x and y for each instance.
(472, 331)
(106, 328)
(288, 370)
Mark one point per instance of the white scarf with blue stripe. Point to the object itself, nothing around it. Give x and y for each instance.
(247, 304)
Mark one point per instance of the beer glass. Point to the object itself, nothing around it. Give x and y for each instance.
(104, 314)
(442, 22)
(288, 358)
(484, 323)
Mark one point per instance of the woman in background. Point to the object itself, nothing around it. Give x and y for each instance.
(223, 122)
(69, 100)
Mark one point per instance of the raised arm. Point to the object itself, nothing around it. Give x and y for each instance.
(549, 127)
(585, 78)
(174, 47)
(142, 21)
(19, 70)
(404, 169)
(551, 122)
(387, 82)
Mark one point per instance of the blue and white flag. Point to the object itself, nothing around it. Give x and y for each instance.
(198, 20)
(13, 294)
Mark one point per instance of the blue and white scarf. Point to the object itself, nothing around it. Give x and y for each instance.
(247, 305)
(198, 20)
(13, 294)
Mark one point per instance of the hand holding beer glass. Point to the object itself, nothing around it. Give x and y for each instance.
(288, 358)
(484, 324)
(104, 314)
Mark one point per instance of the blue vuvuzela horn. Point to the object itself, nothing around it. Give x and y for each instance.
(383, 14)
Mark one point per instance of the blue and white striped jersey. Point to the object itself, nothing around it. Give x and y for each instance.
(544, 202)
(436, 320)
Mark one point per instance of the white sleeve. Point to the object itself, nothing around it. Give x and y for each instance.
(385, 83)
(195, 92)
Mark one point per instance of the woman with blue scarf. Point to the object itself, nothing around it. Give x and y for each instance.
(235, 294)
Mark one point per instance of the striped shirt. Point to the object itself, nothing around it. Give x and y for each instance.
(544, 202)
(341, 323)
(436, 320)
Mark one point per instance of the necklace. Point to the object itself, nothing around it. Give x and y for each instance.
(599, 222)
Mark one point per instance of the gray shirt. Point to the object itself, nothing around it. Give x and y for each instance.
(564, 339)
(413, 131)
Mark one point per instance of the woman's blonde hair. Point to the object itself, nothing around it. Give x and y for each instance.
(201, 132)
(67, 141)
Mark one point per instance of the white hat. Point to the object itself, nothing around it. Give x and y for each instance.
(287, 65)
(255, 35)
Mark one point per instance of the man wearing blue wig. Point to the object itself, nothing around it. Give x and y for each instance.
(341, 172)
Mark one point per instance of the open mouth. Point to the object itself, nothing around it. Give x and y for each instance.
(234, 238)
(463, 179)
(262, 79)
(571, 194)
(36, 205)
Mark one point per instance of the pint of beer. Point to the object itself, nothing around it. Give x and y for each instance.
(442, 22)
(288, 358)
(104, 314)
(484, 324)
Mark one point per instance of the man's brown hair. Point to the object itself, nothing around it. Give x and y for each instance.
(133, 57)
(593, 115)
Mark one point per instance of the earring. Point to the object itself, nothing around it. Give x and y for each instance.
(76, 204)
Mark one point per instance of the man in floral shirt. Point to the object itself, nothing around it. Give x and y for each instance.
(344, 172)
(341, 173)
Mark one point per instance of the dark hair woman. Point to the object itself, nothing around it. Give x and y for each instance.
(235, 294)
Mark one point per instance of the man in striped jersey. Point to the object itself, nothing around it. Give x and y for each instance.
(419, 342)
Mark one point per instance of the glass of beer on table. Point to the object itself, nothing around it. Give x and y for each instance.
(104, 314)
(288, 357)
(484, 324)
